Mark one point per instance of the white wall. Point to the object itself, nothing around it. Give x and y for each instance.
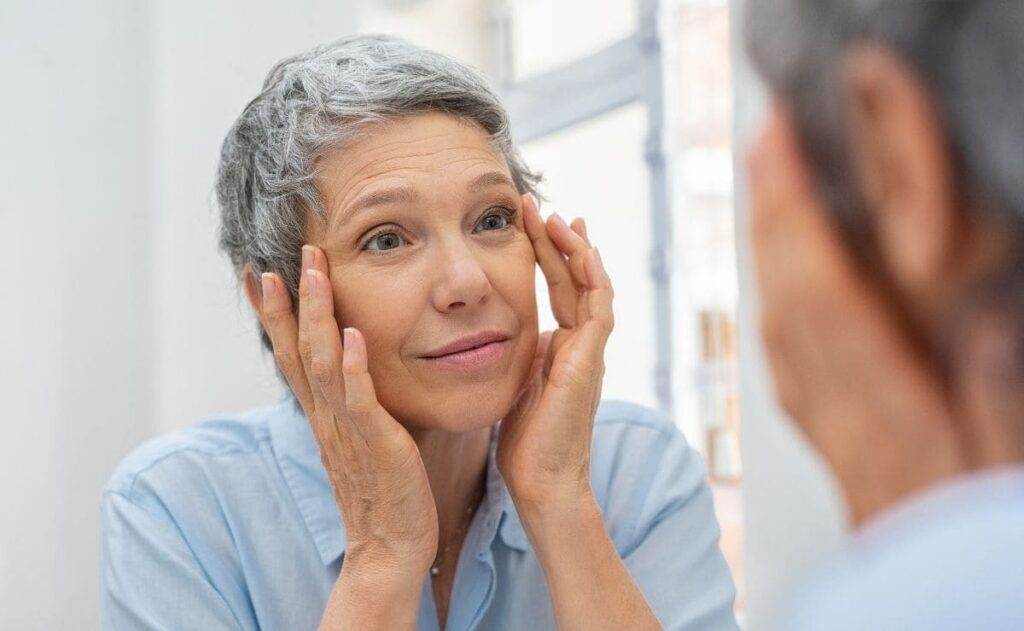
(119, 319)
(76, 334)
(794, 516)
(210, 59)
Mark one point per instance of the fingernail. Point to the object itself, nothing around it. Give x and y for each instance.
(311, 279)
(266, 284)
(307, 256)
(349, 337)
(558, 218)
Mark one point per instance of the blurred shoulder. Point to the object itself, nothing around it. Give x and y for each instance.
(175, 459)
(624, 430)
(641, 467)
(622, 415)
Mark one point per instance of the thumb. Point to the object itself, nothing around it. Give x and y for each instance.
(361, 404)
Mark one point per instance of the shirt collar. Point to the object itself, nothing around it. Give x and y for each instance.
(298, 458)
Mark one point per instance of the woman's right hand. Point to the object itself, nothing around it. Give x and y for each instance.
(373, 463)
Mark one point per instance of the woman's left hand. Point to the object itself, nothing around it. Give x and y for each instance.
(544, 442)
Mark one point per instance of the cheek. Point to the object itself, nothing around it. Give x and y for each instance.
(360, 301)
(514, 278)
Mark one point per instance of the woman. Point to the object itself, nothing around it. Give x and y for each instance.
(386, 235)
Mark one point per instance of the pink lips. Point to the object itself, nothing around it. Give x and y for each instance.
(472, 351)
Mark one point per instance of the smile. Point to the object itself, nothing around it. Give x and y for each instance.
(475, 356)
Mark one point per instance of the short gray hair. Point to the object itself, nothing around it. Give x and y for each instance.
(970, 54)
(316, 101)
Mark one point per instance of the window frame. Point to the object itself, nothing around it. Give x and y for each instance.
(625, 72)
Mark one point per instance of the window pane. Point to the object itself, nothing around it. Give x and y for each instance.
(596, 170)
(699, 125)
(547, 34)
(698, 83)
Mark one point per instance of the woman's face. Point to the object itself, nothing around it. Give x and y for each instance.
(426, 247)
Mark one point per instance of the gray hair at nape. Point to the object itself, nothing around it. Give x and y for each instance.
(969, 53)
(314, 102)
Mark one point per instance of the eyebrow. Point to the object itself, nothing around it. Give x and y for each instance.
(490, 180)
(407, 195)
(382, 197)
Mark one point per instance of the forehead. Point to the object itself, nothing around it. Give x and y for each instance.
(428, 148)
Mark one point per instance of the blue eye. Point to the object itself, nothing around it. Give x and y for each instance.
(500, 219)
(384, 241)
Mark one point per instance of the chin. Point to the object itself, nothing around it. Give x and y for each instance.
(470, 410)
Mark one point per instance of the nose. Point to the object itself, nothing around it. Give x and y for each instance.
(460, 281)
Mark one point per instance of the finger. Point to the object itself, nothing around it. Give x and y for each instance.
(599, 295)
(579, 226)
(281, 327)
(558, 340)
(553, 265)
(570, 245)
(319, 331)
(375, 424)
(537, 366)
(321, 353)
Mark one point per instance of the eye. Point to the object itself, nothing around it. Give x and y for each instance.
(496, 219)
(383, 241)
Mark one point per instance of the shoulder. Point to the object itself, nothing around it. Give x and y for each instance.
(905, 567)
(642, 468)
(178, 459)
(624, 415)
(633, 436)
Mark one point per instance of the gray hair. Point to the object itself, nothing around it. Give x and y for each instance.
(969, 53)
(315, 102)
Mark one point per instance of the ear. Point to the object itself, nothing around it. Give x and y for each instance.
(253, 290)
(905, 166)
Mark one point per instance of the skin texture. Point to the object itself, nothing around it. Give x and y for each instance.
(854, 355)
(405, 442)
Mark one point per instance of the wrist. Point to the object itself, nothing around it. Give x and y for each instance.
(384, 570)
(371, 593)
(559, 509)
(551, 494)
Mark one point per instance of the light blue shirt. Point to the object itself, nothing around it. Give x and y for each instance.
(233, 525)
(949, 559)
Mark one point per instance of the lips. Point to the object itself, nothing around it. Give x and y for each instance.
(467, 343)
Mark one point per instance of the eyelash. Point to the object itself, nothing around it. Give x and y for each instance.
(509, 214)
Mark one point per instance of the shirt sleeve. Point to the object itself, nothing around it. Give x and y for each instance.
(675, 557)
(150, 576)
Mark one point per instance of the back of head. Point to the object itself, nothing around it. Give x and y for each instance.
(969, 54)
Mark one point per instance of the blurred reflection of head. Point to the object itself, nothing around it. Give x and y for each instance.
(909, 114)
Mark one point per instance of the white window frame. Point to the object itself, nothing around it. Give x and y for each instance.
(625, 72)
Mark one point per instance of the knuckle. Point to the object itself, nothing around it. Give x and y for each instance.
(322, 369)
(305, 348)
(286, 361)
(277, 317)
(359, 406)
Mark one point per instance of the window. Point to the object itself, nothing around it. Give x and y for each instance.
(626, 107)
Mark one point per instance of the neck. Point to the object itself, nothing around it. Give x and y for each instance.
(456, 465)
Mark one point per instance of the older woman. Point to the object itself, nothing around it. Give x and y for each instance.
(385, 232)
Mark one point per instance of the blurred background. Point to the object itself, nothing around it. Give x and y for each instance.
(121, 321)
